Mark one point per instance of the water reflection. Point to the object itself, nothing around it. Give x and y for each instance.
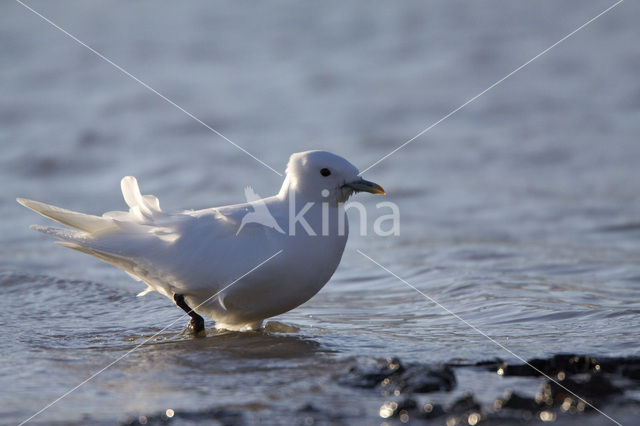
(261, 344)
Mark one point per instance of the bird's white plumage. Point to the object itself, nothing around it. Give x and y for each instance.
(198, 253)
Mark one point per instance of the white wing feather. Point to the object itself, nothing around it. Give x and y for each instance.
(166, 251)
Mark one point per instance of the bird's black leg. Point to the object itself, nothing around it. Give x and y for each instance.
(196, 325)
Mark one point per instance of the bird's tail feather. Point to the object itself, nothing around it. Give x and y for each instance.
(114, 237)
(84, 222)
(63, 234)
(143, 209)
(84, 243)
(120, 261)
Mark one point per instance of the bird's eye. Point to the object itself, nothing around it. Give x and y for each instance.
(325, 172)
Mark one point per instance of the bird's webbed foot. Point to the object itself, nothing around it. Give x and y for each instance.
(196, 326)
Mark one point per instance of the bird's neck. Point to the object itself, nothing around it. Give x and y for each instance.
(286, 186)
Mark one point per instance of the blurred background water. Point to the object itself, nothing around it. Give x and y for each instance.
(521, 213)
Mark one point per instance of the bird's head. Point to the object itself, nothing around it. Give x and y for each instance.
(323, 176)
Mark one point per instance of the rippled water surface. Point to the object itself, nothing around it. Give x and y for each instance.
(520, 213)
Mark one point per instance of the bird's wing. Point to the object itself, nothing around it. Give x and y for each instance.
(135, 241)
(190, 251)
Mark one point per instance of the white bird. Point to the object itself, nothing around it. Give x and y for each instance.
(198, 259)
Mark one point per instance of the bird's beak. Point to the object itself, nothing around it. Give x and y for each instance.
(362, 185)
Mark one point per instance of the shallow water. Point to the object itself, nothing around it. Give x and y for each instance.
(520, 213)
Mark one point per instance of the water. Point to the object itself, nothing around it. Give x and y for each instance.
(520, 213)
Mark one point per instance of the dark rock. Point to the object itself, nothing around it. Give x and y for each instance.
(429, 380)
(569, 379)
(404, 409)
(407, 409)
(491, 364)
(220, 416)
(594, 387)
(631, 371)
(393, 378)
(431, 411)
(464, 404)
(563, 364)
(308, 408)
(374, 376)
(514, 401)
